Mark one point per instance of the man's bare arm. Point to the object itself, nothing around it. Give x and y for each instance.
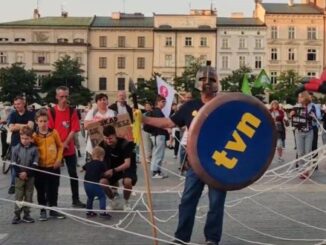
(159, 122)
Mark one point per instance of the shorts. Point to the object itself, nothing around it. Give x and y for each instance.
(121, 175)
(280, 143)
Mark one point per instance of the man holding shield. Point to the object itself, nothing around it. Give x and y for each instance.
(207, 83)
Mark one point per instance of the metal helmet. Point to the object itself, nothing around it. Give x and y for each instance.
(208, 74)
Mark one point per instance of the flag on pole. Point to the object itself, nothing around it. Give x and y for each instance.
(262, 80)
(167, 91)
(245, 88)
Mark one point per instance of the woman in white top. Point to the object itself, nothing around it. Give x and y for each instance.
(97, 114)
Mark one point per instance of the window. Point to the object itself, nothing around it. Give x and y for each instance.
(291, 54)
(121, 62)
(103, 41)
(3, 39)
(203, 41)
(102, 62)
(188, 41)
(41, 58)
(19, 39)
(274, 32)
(121, 83)
(188, 59)
(242, 61)
(168, 60)
(291, 32)
(141, 42)
(79, 58)
(39, 80)
(311, 74)
(140, 63)
(274, 54)
(312, 34)
(225, 62)
(273, 77)
(258, 62)
(62, 40)
(203, 59)
(168, 41)
(102, 83)
(225, 43)
(3, 58)
(311, 55)
(121, 41)
(242, 43)
(258, 43)
(19, 57)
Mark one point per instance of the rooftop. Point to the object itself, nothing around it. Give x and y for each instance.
(52, 22)
(284, 8)
(227, 21)
(101, 21)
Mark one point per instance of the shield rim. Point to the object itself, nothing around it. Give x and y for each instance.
(194, 131)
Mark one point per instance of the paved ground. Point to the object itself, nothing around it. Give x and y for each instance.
(286, 211)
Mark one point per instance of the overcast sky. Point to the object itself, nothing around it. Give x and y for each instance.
(23, 9)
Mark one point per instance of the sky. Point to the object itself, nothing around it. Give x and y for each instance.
(12, 10)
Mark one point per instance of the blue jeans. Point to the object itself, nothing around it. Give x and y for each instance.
(187, 209)
(304, 142)
(93, 190)
(158, 152)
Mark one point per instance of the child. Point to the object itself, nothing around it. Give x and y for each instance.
(94, 172)
(24, 154)
(50, 151)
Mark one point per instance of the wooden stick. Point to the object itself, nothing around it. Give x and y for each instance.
(148, 188)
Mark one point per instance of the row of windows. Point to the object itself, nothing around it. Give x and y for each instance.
(311, 54)
(121, 62)
(122, 41)
(42, 58)
(59, 40)
(225, 43)
(188, 42)
(121, 82)
(242, 62)
(311, 33)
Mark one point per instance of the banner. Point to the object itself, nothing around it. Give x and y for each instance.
(121, 123)
(262, 80)
(245, 88)
(167, 91)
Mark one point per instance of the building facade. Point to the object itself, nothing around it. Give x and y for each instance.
(240, 42)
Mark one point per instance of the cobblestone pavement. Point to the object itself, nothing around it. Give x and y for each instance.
(284, 214)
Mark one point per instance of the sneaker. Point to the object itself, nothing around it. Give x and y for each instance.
(28, 219)
(11, 190)
(78, 204)
(91, 214)
(280, 160)
(114, 205)
(43, 216)
(157, 176)
(56, 215)
(177, 242)
(127, 207)
(16, 220)
(105, 215)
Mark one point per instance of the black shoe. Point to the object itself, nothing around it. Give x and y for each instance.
(28, 219)
(56, 215)
(43, 215)
(211, 243)
(16, 220)
(78, 204)
(91, 214)
(177, 242)
(11, 190)
(105, 215)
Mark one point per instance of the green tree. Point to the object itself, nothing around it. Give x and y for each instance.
(284, 90)
(67, 73)
(15, 80)
(147, 90)
(186, 82)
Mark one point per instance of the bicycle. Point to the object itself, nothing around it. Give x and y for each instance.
(6, 161)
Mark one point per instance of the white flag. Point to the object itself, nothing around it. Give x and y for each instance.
(167, 91)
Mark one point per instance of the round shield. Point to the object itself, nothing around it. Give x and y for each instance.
(231, 141)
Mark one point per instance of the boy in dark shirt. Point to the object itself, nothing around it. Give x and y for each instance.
(94, 172)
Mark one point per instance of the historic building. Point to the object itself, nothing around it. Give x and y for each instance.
(180, 38)
(295, 37)
(121, 50)
(39, 42)
(240, 42)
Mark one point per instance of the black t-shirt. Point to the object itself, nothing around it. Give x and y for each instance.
(186, 113)
(94, 170)
(14, 118)
(116, 156)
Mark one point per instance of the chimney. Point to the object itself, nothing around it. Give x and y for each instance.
(115, 15)
(36, 14)
(290, 3)
(64, 14)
